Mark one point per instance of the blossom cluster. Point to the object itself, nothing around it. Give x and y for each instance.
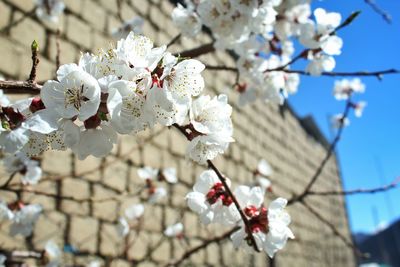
(343, 90)
(262, 35)
(213, 203)
(123, 90)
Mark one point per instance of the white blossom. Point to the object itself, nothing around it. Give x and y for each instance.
(49, 10)
(359, 108)
(53, 254)
(123, 227)
(158, 194)
(186, 20)
(133, 25)
(210, 200)
(19, 162)
(175, 230)
(345, 87)
(134, 212)
(5, 212)
(24, 220)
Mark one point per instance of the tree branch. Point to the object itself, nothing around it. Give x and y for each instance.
(329, 153)
(385, 15)
(174, 40)
(377, 74)
(198, 51)
(359, 191)
(334, 230)
(20, 87)
(204, 245)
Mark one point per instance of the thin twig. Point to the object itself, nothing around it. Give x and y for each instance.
(385, 15)
(198, 51)
(58, 48)
(204, 245)
(377, 74)
(5, 185)
(334, 230)
(328, 155)
(175, 39)
(384, 188)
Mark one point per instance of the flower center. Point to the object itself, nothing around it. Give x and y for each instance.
(218, 192)
(75, 97)
(258, 219)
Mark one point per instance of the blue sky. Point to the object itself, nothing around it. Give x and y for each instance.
(369, 149)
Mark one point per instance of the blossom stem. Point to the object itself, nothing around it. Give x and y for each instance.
(204, 245)
(198, 51)
(230, 193)
(384, 188)
(211, 165)
(328, 155)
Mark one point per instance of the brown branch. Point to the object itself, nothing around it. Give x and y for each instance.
(61, 197)
(174, 40)
(20, 87)
(5, 185)
(359, 191)
(198, 51)
(334, 229)
(35, 61)
(328, 155)
(227, 188)
(204, 245)
(377, 74)
(58, 47)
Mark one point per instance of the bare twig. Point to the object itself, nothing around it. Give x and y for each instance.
(35, 61)
(20, 87)
(174, 40)
(5, 185)
(384, 188)
(334, 230)
(119, 10)
(58, 48)
(328, 155)
(198, 51)
(377, 74)
(385, 15)
(204, 245)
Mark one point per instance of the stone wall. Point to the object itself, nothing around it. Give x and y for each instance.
(260, 131)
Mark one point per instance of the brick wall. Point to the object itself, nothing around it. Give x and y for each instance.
(261, 131)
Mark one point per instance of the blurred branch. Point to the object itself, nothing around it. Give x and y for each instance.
(334, 229)
(328, 155)
(385, 15)
(387, 187)
(174, 40)
(35, 61)
(198, 51)
(204, 245)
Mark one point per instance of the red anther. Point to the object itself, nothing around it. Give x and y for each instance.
(36, 105)
(15, 118)
(241, 88)
(93, 122)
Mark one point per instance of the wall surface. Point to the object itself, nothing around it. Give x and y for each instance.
(260, 131)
